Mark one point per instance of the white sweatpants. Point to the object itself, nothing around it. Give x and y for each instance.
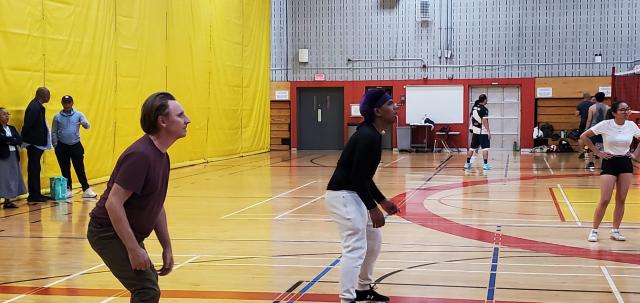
(360, 241)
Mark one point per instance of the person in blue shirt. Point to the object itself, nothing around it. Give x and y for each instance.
(65, 136)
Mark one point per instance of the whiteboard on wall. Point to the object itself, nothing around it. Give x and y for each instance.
(441, 103)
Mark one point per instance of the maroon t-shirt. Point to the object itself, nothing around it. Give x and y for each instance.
(144, 170)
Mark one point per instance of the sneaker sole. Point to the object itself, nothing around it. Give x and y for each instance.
(615, 239)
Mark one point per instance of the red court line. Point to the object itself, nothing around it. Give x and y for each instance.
(555, 202)
(414, 211)
(218, 295)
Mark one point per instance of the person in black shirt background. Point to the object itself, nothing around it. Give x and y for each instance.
(352, 196)
(582, 111)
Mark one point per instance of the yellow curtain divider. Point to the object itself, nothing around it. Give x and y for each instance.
(213, 55)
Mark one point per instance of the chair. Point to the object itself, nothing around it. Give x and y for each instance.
(444, 132)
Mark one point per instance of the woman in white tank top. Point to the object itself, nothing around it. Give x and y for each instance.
(617, 167)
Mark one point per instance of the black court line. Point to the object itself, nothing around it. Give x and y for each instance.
(266, 165)
(26, 212)
(316, 158)
(288, 292)
(484, 287)
(383, 277)
(506, 167)
(231, 165)
(52, 277)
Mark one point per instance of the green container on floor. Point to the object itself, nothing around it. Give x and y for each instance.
(58, 186)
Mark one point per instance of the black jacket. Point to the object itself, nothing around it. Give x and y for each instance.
(5, 141)
(35, 130)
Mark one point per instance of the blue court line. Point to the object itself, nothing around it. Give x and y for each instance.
(316, 279)
(494, 269)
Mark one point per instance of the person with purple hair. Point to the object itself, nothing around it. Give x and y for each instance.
(354, 200)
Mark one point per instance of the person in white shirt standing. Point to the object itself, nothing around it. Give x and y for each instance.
(617, 169)
(66, 140)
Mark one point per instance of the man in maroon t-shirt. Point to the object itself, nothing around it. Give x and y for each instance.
(133, 204)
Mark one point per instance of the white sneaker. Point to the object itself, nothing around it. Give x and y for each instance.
(617, 236)
(89, 193)
(593, 236)
(69, 193)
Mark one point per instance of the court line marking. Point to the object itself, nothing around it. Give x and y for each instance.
(267, 200)
(186, 262)
(386, 165)
(470, 223)
(53, 283)
(548, 166)
(556, 205)
(482, 272)
(299, 207)
(566, 200)
(315, 280)
(400, 261)
(506, 168)
(491, 288)
(612, 284)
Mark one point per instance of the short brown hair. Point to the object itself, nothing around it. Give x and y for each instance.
(155, 106)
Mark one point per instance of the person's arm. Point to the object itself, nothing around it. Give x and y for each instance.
(636, 134)
(590, 116)
(84, 122)
(16, 139)
(485, 124)
(577, 112)
(585, 137)
(364, 162)
(115, 208)
(54, 131)
(162, 232)
(29, 121)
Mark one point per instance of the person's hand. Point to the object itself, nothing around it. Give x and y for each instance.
(604, 155)
(489, 136)
(377, 218)
(631, 155)
(139, 259)
(167, 262)
(389, 207)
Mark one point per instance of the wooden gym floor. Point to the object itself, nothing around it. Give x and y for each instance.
(255, 229)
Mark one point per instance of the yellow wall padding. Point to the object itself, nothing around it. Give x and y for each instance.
(213, 55)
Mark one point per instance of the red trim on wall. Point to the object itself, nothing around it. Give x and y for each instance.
(353, 91)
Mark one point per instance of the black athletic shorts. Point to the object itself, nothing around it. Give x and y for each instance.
(617, 165)
(480, 140)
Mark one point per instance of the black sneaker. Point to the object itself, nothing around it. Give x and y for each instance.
(591, 166)
(371, 296)
(9, 205)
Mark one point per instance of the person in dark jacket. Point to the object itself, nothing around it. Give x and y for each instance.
(352, 199)
(35, 134)
(11, 182)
